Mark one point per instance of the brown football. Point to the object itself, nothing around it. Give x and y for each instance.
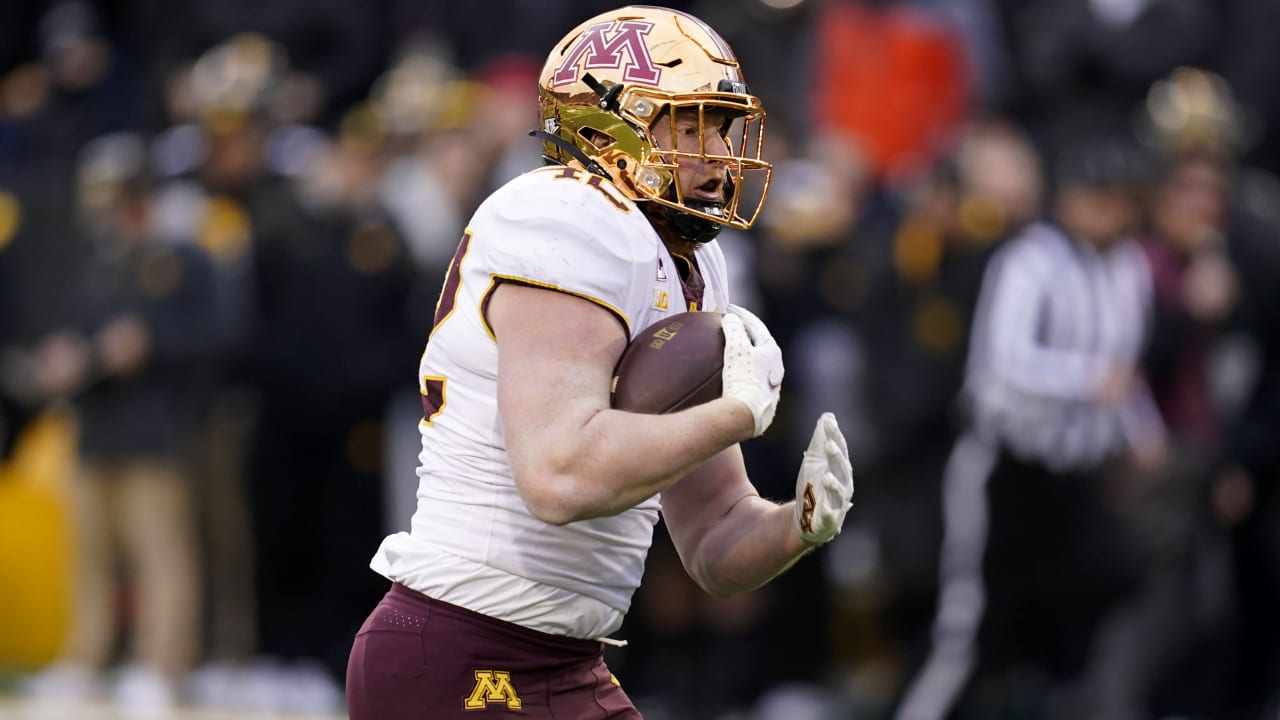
(671, 365)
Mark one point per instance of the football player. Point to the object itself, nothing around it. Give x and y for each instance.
(536, 500)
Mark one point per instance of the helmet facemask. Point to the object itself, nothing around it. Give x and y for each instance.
(727, 153)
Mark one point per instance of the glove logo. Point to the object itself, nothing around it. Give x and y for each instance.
(806, 515)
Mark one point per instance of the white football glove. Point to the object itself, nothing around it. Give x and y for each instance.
(824, 487)
(752, 365)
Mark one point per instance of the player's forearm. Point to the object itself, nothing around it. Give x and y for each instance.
(615, 460)
(753, 543)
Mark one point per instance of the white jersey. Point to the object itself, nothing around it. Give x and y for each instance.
(472, 541)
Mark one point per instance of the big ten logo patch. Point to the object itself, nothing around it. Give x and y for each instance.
(661, 299)
(492, 686)
(602, 45)
(665, 334)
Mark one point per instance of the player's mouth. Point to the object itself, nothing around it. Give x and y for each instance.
(712, 189)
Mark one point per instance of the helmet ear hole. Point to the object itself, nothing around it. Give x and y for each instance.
(598, 138)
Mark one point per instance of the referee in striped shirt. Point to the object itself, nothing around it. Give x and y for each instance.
(1032, 555)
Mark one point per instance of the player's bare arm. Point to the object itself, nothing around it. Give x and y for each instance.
(573, 457)
(729, 538)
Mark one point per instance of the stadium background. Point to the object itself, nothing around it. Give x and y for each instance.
(325, 155)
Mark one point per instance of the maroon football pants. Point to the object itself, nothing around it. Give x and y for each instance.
(417, 658)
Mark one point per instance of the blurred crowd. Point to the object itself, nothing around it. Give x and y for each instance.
(224, 225)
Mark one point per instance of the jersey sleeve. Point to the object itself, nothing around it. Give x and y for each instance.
(560, 233)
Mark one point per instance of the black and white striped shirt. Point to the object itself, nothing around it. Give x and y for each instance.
(1054, 317)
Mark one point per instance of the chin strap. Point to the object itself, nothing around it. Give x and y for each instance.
(686, 227)
(573, 151)
(691, 227)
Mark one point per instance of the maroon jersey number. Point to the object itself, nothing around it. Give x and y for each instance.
(452, 283)
(433, 386)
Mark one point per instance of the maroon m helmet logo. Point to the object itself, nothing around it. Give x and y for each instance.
(603, 50)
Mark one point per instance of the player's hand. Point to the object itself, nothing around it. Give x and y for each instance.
(824, 487)
(752, 365)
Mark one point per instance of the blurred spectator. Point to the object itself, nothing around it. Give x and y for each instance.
(431, 179)
(1180, 607)
(222, 185)
(914, 326)
(76, 88)
(916, 315)
(334, 46)
(1216, 258)
(146, 327)
(1215, 255)
(1034, 554)
(333, 279)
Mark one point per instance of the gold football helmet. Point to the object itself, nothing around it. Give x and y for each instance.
(610, 81)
